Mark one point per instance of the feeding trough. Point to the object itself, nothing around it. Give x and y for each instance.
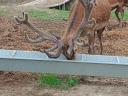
(90, 65)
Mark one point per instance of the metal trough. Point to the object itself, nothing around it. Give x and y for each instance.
(91, 65)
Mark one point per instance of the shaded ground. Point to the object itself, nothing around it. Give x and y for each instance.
(23, 84)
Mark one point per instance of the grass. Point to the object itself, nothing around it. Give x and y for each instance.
(51, 14)
(125, 15)
(54, 81)
(48, 14)
(44, 14)
(3, 12)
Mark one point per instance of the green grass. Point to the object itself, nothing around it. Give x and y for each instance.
(48, 14)
(44, 14)
(125, 15)
(54, 81)
(3, 12)
(53, 14)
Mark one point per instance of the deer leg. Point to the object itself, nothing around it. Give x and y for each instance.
(122, 13)
(91, 43)
(121, 10)
(122, 16)
(99, 35)
(117, 15)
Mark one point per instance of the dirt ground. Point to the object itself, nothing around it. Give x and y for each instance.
(12, 37)
(24, 84)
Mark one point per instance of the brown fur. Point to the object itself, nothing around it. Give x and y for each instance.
(100, 13)
(118, 6)
(86, 17)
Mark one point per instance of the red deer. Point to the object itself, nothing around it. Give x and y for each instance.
(86, 16)
(118, 6)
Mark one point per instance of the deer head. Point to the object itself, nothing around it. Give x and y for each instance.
(64, 45)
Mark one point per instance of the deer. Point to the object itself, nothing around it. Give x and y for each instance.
(118, 5)
(85, 17)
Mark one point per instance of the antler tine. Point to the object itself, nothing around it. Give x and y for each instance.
(25, 16)
(57, 47)
(38, 39)
(55, 55)
(52, 55)
(23, 19)
(52, 49)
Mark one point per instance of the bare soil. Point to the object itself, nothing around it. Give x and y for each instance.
(24, 84)
(12, 37)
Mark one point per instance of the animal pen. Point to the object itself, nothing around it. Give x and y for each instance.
(83, 64)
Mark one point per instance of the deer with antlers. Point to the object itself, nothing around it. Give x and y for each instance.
(86, 17)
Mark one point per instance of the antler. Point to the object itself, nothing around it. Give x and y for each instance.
(42, 36)
(22, 20)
